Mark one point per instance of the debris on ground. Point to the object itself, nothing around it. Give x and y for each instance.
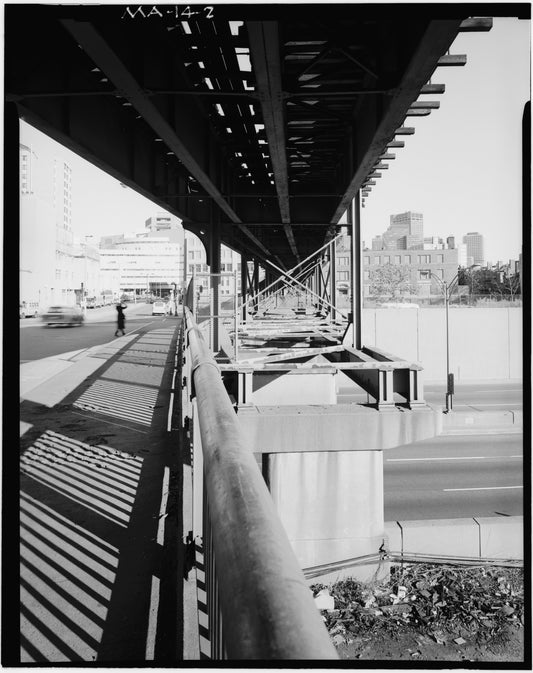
(440, 606)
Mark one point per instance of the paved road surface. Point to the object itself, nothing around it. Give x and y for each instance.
(454, 477)
(469, 396)
(40, 341)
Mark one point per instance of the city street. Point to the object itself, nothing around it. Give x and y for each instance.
(489, 396)
(453, 477)
(40, 341)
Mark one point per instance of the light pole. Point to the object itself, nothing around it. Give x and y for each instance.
(448, 288)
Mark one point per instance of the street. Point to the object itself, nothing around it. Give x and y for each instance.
(453, 477)
(40, 341)
(490, 396)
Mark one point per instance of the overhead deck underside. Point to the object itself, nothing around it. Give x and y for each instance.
(263, 121)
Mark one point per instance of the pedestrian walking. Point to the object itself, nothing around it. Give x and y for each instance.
(121, 319)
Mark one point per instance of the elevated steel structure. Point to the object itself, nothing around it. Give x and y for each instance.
(255, 124)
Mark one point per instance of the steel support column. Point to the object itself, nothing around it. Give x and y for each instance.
(214, 264)
(355, 268)
(244, 286)
(333, 277)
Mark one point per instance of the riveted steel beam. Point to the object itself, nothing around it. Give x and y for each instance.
(109, 63)
(435, 42)
(264, 54)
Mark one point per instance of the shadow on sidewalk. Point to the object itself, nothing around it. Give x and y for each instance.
(100, 516)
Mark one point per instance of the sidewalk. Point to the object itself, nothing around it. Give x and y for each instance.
(100, 504)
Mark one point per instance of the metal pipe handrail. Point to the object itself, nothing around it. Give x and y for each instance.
(267, 608)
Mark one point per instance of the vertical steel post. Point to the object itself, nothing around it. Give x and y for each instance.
(214, 254)
(356, 271)
(244, 286)
(236, 318)
(447, 347)
(255, 281)
(333, 278)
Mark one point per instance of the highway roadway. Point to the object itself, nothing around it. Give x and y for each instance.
(454, 477)
(479, 396)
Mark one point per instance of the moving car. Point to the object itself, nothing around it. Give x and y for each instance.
(159, 308)
(63, 315)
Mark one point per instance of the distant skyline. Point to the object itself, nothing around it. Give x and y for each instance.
(461, 169)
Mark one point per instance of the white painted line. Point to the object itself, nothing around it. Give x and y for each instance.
(152, 620)
(407, 460)
(482, 488)
(163, 508)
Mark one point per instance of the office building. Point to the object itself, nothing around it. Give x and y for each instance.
(46, 255)
(406, 231)
(475, 247)
(144, 264)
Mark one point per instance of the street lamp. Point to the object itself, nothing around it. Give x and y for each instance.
(447, 288)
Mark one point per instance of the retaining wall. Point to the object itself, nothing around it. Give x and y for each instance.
(485, 343)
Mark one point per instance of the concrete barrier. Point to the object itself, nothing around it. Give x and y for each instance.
(479, 421)
(479, 537)
(451, 537)
(501, 538)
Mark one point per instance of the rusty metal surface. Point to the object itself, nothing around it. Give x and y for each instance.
(267, 609)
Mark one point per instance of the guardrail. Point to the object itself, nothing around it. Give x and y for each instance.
(258, 602)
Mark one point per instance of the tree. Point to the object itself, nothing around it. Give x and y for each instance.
(391, 281)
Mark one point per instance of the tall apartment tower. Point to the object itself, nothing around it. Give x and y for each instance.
(474, 247)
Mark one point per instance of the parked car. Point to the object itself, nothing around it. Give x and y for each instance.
(28, 309)
(159, 308)
(63, 315)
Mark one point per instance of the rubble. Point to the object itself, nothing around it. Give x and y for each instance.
(449, 606)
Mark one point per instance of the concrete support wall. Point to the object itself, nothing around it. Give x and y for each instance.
(485, 343)
(330, 503)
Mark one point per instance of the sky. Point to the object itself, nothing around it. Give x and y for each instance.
(461, 168)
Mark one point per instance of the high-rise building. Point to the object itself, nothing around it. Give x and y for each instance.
(406, 230)
(475, 247)
(47, 262)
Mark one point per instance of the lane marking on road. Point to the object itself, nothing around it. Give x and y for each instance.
(406, 460)
(483, 488)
